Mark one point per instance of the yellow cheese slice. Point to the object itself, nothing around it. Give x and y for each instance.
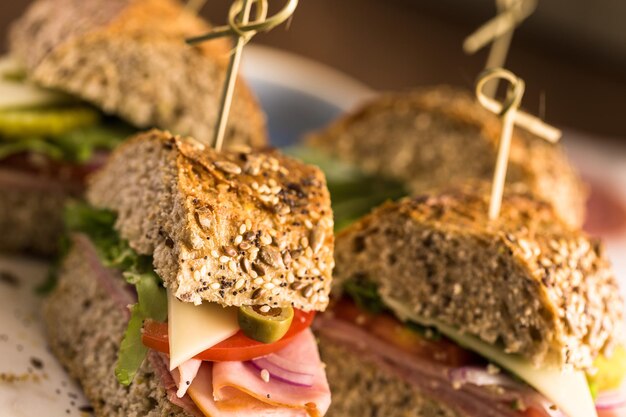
(566, 388)
(195, 328)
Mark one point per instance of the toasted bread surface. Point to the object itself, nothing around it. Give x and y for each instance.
(242, 227)
(526, 281)
(440, 136)
(129, 58)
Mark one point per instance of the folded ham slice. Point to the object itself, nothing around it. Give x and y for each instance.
(233, 389)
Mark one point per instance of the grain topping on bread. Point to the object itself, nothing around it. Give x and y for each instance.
(526, 281)
(438, 136)
(236, 227)
(129, 58)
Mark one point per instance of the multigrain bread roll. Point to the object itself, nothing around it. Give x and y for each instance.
(191, 279)
(89, 351)
(438, 311)
(193, 207)
(526, 280)
(129, 58)
(440, 136)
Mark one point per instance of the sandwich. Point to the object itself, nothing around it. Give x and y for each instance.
(441, 312)
(192, 280)
(412, 143)
(84, 75)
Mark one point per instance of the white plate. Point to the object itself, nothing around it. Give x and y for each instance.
(298, 95)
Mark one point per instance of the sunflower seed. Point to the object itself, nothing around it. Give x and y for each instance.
(307, 291)
(245, 265)
(257, 293)
(287, 258)
(228, 167)
(230, 251)
(317, 239)
(260, 269)
(271, 256)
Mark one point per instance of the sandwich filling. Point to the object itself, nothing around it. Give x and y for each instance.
(354, 193)
(205, 355)
(464, 372)
(45, 134)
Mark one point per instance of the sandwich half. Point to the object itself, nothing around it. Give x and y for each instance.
(84, 75)
(191, 282)
(441, 312)
(415, 142)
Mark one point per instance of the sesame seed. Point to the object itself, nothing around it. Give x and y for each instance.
(276, 282)
(232, 265)
(245, 245)
(290, 278)
(239, 283)
(264, 308)
(301, 272)
(215, 286)
(238, 240)
(258, 281)
(265, 375)
(223, 259)
(308, 224)
(268, 286)
(275, 190)
(215, 254)
(255, 185)
(315, 271)
(242, 228)
(272, 182)
(304, 242)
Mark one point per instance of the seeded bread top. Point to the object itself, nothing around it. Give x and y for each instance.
(129, 58)
(526, 281)
(236, 227)
(439, 136)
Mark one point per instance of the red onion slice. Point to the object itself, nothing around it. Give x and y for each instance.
(482, 377)
(611, 400)
(284, 370)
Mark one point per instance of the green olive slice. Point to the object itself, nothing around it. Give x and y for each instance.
(265, 324)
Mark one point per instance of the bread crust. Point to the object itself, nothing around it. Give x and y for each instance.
(439, 136)
(526, 281)
(31, 212)
(361, 387)
(84, 327)
(236, 227)
(128, 57)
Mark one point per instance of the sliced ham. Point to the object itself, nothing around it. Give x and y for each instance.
(428, 377)
(239, 404)
(185, 374)
(160, 364)
(232, 378)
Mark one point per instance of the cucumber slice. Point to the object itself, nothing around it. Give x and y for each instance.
(46, 121)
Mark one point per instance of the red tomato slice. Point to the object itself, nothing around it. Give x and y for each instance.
(236, 348)
(388, 328)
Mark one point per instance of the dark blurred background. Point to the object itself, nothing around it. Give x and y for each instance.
(571, 52)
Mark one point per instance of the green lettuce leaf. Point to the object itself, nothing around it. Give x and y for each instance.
(136, 269)
(353, 193)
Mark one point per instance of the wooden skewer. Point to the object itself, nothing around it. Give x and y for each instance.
(241, 27)
(511, 115)
(499, 31)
